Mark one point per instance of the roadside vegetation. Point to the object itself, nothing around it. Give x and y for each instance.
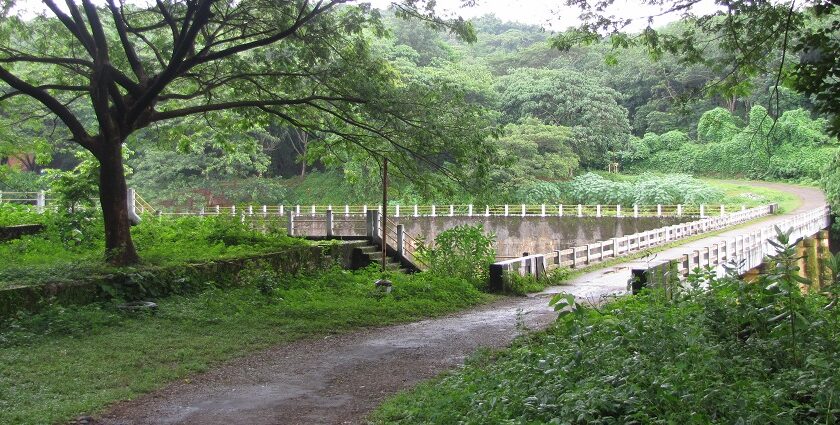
(71, 245)
(712, 351)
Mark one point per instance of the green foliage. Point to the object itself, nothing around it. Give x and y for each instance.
(566, 98)
(831, 182)
(646, 189)
(717, 125)
(15, 214)
(464, 252)
(793, 147)
(77, 190)
(66, 361)
(718, 350)
(71, 249)
(517, 284)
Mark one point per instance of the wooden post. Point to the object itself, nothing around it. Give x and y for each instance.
(397, 211)
(415, 210)
(598, 210)
(679, 210)
(659, 210)
(523, 210)
(434, 213)
(702, 211)
(635, 211)
(618, 210)
(560, 210)
(290, 225)
(469, 210)
(580, 211)
(384, 213)
(506, 210)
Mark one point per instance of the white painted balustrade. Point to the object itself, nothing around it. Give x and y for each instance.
(583, 255)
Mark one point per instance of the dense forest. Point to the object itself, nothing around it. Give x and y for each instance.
(540, 115)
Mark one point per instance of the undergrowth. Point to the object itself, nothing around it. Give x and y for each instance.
(72, 245)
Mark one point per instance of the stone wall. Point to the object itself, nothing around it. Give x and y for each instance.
(149, 283)
(14, 232)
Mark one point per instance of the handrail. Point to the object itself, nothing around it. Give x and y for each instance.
(409, 245)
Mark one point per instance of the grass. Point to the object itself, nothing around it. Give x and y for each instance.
(72, 248)
(751, 195)
(67, 361)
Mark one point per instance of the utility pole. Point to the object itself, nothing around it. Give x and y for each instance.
(384, 213)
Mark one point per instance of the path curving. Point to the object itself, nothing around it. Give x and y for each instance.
(340, 379)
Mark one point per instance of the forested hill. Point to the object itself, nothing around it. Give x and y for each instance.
(553, 115)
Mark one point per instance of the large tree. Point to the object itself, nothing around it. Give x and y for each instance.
(108, 72)
(567, 98)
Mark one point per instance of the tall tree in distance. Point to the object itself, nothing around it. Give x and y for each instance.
(108, 72)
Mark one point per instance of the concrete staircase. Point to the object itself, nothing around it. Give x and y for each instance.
(374, 254)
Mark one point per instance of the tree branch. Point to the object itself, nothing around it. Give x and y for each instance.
(80, 135)
(160, 116)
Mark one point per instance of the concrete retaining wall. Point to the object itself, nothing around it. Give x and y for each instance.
(155, 282)
(14, 232)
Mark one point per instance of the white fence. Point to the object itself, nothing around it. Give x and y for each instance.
(745, 252)
(449, 210)
(599, 251)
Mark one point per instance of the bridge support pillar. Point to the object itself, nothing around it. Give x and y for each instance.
(290, 223)
(400, 240)
(329, 223)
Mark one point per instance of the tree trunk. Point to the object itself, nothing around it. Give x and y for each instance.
(113, 196)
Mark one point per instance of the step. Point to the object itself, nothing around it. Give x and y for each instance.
(368, 249)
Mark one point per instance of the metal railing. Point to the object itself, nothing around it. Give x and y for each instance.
(404, 244)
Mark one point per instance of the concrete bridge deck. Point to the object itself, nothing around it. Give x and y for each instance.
(613, 280)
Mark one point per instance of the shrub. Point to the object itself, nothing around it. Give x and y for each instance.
(464, 252)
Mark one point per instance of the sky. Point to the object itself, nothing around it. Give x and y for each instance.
(553, 15)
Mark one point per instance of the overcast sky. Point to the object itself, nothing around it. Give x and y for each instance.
(551, 14)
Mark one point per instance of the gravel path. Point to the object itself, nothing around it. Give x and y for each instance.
(340, 379)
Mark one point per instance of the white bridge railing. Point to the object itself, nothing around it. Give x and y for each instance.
(744, 252)
(41, 200)
(583, 255)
